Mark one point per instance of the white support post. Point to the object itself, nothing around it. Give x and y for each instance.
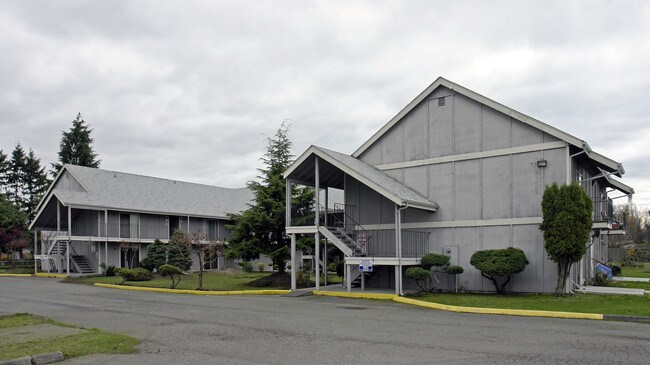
(399, 252)
(59, 261)
(317, 219)
(326, 204)
(317, 261)
(293, 262)
(397, 273)
(67, 256)
(67, 248)
(348, 278)
(106, 236)
(188, 224)
(325, 260)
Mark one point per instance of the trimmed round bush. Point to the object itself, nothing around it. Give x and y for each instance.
(260, 266)
(499, 263)
(455, 270)
(419, 275)
(434, 259)
(246, 266)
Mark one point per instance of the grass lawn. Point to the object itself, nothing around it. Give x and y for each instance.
(636, 272)
(212, 280)
(91, 341)
(581, 303)
(631, 284)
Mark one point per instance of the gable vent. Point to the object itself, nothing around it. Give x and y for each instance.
(441, 101)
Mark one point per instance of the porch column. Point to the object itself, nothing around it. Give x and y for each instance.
(67, 256)
(59, 262)
(106, 236)
(293, 262)
(325, 220)
(325, 260)
(317, 219)
(398, 249)
(67, 245)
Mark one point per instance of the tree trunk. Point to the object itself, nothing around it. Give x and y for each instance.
(562, 274)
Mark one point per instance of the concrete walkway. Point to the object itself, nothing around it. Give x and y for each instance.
(636, 280)
(610, 290)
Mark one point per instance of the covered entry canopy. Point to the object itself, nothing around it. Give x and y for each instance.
(333, 166)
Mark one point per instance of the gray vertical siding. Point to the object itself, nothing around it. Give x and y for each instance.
(480, 189)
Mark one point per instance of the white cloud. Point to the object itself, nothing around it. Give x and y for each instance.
(188, 90)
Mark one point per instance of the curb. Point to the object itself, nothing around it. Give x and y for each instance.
(196, 292)
(16, 275)
(343, 294)
(39, 275)
(458, 309)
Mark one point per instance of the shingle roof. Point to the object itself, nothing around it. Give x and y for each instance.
(123, 191)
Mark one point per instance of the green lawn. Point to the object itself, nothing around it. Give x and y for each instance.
(212, 280)
(642, 271)
(631, 284)
(91, 341)
(581, 303)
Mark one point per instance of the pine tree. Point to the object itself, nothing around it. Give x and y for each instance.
(16, 176)
(76, 146)
(4, 172)
(35, 183)
(260, 229)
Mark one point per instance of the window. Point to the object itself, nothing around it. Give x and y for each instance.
(441, 101)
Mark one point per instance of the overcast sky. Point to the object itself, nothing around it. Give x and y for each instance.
(189, 90)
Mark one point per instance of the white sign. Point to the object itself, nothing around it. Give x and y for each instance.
(365, 266)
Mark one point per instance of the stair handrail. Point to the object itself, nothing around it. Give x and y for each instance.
(356, 227)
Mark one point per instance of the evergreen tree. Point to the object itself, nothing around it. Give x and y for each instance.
(4, 172)
(12, 224)
(260, 229)
(16, 176)
(566, 223)
(76, 146)
(35, 184)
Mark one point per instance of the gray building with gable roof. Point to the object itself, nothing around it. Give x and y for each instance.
(452, 173)
(87, 213)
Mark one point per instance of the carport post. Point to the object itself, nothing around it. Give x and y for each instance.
(317, 219)
(293, 262)
(67, 244)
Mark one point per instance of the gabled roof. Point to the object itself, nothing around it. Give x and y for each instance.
(115, 190)
(367, 175)
(609, 164)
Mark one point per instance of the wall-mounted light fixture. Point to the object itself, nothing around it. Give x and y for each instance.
(542, 163)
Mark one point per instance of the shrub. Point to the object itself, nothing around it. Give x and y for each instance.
(599, 280)
(137, 274)
(331, 267)
(303, 278)
(500, 263)
(246, 266)
(173, 272)
(110, 271)
(419, 275)
(455, 270)
(260, 267)
(434, 259)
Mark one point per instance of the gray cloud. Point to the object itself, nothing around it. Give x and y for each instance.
(189, 90)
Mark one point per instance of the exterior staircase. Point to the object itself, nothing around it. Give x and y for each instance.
(81, 264)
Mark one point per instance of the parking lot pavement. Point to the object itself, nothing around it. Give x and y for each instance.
(186, 329)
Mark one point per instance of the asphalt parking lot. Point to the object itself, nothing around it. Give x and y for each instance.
(185, 329)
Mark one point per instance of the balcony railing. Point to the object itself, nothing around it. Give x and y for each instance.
(603, 210)
(381, 243)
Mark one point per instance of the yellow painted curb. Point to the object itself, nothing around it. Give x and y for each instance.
(458, 309)
(511, 312)
(16, 275)
(50, 275)
(195, 292)
(344, 294)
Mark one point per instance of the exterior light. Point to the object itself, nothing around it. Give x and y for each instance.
(542, 163)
